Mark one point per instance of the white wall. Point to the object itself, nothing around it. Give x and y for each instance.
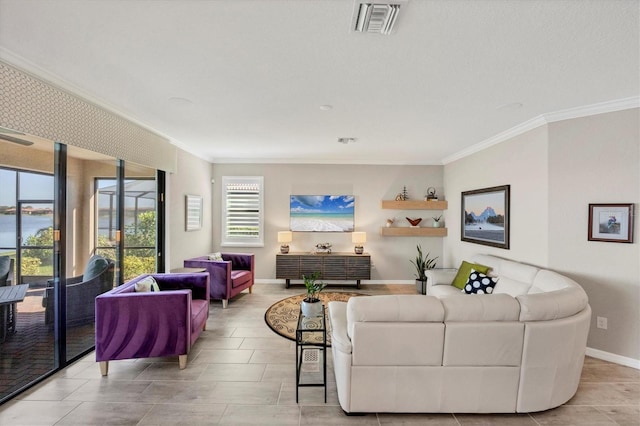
(597, 160)
(555, 171)
(369, 184)
(193, 177)
(521, 163)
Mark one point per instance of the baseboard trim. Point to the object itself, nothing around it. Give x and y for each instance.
(618, 359)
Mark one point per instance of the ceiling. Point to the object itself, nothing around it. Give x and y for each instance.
(244, 80)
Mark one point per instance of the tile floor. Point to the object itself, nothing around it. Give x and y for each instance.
(240, 372)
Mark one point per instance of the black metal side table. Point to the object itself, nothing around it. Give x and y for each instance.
(311, 344)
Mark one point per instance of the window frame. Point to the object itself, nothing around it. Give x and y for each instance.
(225, 239)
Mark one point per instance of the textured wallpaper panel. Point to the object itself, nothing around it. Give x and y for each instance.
(32, 106)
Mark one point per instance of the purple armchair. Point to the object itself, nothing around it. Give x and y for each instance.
(229, 276)
(164, 323)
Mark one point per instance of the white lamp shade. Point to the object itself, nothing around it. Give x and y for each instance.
(358, 237)
(285, 236)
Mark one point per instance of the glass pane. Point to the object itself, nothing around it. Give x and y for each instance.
(91, 224)
(26, 341)
(140, 221)
(35, 186)
(106, 213)
(8, 209)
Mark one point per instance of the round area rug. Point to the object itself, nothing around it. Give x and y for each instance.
(282, 316)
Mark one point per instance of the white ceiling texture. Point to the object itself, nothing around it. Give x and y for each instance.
(245, 80)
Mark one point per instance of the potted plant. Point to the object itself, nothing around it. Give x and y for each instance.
(436, 221)
(311, 306)
(422, 263)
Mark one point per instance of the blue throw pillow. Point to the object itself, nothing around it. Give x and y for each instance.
(96, 265)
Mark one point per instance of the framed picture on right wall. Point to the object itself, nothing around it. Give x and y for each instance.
(611, 223)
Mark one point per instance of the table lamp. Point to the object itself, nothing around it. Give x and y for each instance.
(358, 238)
(285, 237)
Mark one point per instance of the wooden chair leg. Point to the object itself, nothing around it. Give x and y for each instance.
(182, 359)
(104, 367)
(225, 303)
(250, 289)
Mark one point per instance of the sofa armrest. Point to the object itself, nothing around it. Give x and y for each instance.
(141, 325)
(338, 320)
(219, 270)
(440, 276)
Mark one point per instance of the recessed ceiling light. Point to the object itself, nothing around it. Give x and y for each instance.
(326, 107)
(346, 140)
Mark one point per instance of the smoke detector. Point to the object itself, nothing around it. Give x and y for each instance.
(375, 16)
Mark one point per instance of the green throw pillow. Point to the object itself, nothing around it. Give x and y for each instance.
(463, 273)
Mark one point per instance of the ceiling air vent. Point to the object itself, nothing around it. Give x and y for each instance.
(378, 18)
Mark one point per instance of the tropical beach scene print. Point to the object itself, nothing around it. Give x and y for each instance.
(322, 213)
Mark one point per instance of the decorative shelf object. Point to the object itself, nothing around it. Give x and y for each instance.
(414, 205)
(407, 231)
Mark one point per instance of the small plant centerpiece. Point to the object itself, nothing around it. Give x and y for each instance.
(311, 306)
(422, 264)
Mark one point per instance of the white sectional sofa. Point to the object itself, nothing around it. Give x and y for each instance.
(520, 349)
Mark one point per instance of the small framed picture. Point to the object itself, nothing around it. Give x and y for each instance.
(485, 216)
(193, 210)
(611, 222)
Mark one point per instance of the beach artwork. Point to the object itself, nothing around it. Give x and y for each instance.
(322, 213)
(485, 216)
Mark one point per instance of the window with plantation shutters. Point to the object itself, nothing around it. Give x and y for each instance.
(242, 211)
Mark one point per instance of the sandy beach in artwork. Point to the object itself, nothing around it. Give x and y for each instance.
(309, 224)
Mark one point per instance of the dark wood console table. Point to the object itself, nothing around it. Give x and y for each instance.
(333, 266)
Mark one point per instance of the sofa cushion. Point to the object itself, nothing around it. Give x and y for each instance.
(463, 273)
(146, 285)
(440, 291)
(553, 304)
(240, 278)
(479, 283)
(199, 314)
(507, 285)
(498, 307)
(95, 266)
(393, 308)
(215, 256)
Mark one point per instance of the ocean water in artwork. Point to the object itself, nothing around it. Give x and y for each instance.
(322, 213)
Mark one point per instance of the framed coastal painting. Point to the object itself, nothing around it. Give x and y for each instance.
(611, 222)
(485, 216)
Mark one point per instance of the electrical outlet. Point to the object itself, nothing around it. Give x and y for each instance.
(601, 322)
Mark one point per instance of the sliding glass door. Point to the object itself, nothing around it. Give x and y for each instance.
(59, 207)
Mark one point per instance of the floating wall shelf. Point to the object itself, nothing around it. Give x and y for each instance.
(414, 205)
(407, 231)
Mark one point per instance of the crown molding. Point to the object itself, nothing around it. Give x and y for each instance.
(543, 119)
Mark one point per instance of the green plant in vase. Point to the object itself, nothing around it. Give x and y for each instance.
(311, 305)
(422, 264)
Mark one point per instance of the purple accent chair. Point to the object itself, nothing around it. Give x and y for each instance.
(153, 324)
(229, 276)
